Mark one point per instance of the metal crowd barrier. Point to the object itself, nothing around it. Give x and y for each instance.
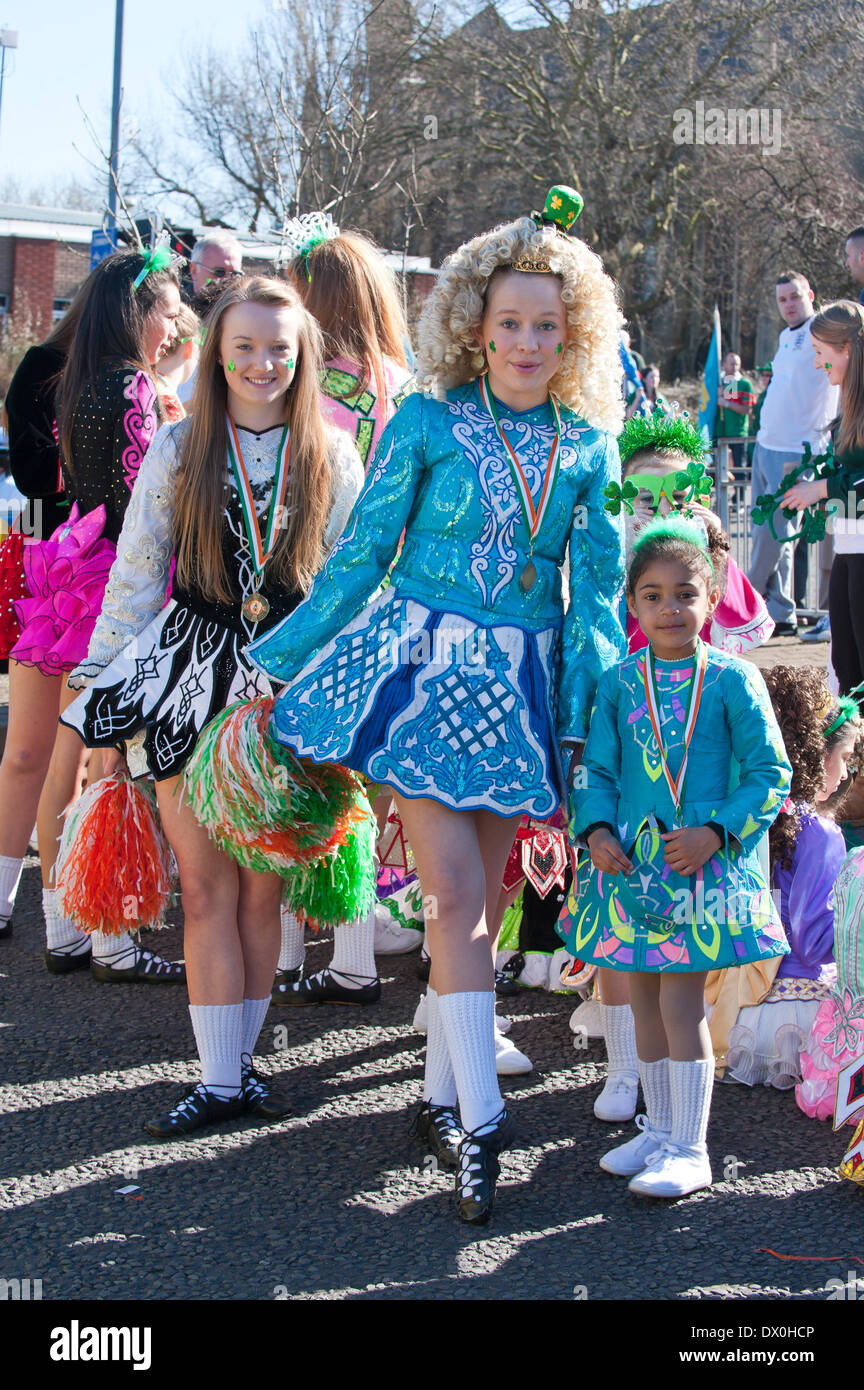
(733, 501)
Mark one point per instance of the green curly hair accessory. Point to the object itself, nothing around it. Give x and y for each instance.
(677, 528)
(662, 435)
(159, 257)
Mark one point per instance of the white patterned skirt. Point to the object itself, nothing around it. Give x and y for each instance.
(434, 705)
(170, 681)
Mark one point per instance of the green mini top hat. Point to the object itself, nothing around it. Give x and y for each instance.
(563, 205)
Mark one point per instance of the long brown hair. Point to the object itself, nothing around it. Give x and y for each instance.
(346, 284)
(842, 325)
(110, 328)
(202, 481)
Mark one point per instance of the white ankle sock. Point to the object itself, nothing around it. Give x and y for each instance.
(468, 1021)
(218, 1032)
(354, 953)
(439, 1082)
(293, 949)
(620, 1034)
(60, 933)
(657, 1092)
(253, 1021)
(10, 876)
(691, 1085)
(113, 948)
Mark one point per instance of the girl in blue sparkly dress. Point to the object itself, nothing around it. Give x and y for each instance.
(684, 770)
(456, 683)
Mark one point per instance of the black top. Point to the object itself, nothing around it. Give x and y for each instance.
(112, 429)
(34, 453)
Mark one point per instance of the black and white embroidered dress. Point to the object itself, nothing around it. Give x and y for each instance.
(170, 668)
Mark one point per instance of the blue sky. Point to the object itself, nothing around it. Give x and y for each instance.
(66, 52)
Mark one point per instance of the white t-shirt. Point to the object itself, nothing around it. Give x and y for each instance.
(800, 402)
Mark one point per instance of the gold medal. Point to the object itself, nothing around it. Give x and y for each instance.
(528, 577)
(256, 607)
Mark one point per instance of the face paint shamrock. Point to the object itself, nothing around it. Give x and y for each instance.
(620, 497)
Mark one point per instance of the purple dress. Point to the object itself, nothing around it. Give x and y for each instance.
(807, 900)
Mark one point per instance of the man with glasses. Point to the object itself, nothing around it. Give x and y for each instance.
(216, 258)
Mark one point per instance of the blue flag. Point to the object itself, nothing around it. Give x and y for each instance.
(710, 383)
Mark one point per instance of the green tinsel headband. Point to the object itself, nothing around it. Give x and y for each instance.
(676, 528)
(847, 708)
(661, 435)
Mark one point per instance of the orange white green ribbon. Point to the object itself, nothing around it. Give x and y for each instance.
(260, 548)
(675, 784)
(533, 514)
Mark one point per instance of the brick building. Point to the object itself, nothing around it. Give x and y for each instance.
(45, 254)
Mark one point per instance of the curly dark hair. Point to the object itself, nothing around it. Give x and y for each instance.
(800, 697)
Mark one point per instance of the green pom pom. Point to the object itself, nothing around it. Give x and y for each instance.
(672, 527)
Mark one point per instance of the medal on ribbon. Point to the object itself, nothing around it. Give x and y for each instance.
(675, 784)
(255, 606)
(532, 514)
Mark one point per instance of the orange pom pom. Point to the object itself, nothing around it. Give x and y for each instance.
(115, 866)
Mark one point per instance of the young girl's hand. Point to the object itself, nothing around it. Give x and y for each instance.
(805, 494)
(688, 849)
(607, 853)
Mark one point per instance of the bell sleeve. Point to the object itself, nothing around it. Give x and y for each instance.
(596, 792)
(360, 558)
(138, 581)
(757, 747)
(593, 638)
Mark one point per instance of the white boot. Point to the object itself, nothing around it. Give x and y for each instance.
(617, 1100)
(628, 1159)
(421, 1014)
(681, 1164)
(509, 1061)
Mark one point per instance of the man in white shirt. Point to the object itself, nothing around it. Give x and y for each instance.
(798, 407)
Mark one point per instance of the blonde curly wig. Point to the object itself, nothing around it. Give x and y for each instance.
(589, 377)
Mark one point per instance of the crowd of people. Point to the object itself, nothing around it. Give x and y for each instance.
(318, 587)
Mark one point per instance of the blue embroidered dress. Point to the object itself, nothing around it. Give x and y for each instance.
(737, 777)
(453, 683)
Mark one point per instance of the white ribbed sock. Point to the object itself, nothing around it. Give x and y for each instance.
(353, 960)
(253, 1021)
(620, 1034)
(657, 1092)
(691, 1084)
(113, 948)
(10, 877)
(60, 933)
(468, 1021)
(439, 1082)
(218, 1032)
(293, 950)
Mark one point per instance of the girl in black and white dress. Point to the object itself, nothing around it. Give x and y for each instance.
(249, 493)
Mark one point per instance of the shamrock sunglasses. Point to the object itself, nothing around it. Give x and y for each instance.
(676, 487)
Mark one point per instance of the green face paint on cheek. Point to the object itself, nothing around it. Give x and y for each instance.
(231, 366)
(559, 349)
(492, 347)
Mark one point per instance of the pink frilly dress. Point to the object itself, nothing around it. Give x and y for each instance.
(65, 578)
(115, 420)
